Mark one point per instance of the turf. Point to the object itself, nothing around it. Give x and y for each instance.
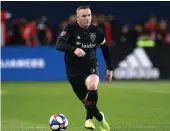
(128, 106)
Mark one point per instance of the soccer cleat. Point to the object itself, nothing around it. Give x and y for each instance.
(89, 124)
(103, 124)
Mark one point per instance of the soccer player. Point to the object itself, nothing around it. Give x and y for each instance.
(79, 40)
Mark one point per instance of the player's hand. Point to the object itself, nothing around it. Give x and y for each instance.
(79, 52)
(109, 75)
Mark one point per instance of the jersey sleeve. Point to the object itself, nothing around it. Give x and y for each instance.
(101, 37)
(65, 33)
(62, 43)
(105, 49)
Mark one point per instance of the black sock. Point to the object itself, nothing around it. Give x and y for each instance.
(88, 116)
(91, 103)
(98, 115)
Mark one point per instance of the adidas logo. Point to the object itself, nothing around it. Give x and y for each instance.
(78, 37)
(137, 65)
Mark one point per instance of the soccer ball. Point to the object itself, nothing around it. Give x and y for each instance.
(58, 122)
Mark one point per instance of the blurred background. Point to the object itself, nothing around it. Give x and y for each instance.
(138, 34)
(33, 71)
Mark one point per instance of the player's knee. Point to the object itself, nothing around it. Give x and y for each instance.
(92, 86)
(92, 82)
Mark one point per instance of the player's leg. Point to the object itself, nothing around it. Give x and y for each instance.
(89, 116)
(79, 88)
(92, 82)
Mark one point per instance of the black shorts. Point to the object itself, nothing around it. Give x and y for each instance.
(77, 81)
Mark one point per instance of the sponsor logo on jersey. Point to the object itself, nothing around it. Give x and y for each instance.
(88, 45)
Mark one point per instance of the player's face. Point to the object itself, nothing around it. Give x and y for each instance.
(84, 17)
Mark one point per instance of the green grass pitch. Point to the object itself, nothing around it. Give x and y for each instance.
(128, 106)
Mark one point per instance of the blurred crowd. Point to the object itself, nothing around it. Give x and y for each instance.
(23, 32)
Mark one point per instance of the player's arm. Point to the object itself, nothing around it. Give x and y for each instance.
(63, 45)
(107, 57)
(62, 41)
(106, 54)
(105, 50)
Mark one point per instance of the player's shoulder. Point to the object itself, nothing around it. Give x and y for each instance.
(71, 25)
(92, 26)
(97, 28)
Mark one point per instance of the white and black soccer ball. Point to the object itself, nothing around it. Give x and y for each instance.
(58, 122)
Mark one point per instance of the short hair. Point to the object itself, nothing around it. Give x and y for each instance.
(82, 7)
